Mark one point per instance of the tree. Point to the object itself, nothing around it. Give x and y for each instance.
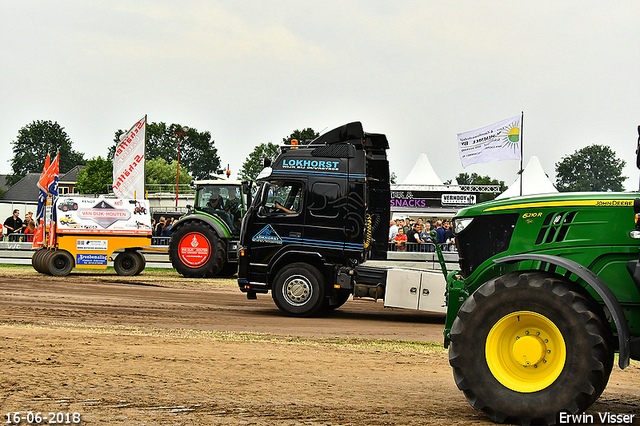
(97, 177)
(159, 172)
(197, 152)
(33, 143)
(593, 168)
(255, 162)
(303, 136)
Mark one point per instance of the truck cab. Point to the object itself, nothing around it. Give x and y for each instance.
(319, 211)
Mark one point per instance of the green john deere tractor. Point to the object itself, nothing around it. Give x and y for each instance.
(548, 291)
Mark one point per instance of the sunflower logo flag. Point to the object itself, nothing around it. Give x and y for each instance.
(497, 142)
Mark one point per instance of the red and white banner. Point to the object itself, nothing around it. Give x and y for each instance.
(128, 162)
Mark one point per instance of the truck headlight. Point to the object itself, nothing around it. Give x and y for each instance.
(460, 224)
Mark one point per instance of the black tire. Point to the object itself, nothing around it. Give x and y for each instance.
(128, 263)
(42, 262)
(35, 259)
(143, 263)
(503, 380)
(337, 299)
(60, 263)
(196, 251)
(298, 290)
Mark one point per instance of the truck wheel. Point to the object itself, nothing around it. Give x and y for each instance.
(60, 263)
(196, 251)
(526, 346)
(128, 263)
(298, 290)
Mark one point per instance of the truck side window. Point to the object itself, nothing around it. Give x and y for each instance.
(323, 200)
(284, 197)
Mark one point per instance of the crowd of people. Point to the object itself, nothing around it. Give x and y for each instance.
(415, 235)
(16, 229)
(162, 228)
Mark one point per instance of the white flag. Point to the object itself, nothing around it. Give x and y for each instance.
(128, 162)
(497, 142)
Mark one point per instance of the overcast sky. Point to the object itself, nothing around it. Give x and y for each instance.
(253, 71)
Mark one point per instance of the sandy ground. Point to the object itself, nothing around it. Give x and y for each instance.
(159, 349)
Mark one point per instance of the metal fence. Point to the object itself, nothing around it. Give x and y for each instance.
(405, 246)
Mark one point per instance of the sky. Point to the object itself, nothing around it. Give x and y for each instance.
(251, 72)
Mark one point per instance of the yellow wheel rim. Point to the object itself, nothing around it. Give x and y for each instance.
(525, 351)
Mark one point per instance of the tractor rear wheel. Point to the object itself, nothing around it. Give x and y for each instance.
(528, 345)
(196, 251)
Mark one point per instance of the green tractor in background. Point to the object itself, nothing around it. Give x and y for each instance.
(204, 242)
(548, 291)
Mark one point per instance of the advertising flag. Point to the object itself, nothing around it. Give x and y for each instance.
(497, 142)
(38, 238)
(52, 188)
(128, 162)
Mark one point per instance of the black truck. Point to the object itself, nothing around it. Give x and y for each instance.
(321, 212)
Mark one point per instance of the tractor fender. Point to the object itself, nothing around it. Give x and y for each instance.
(598, 285)
(220, 228)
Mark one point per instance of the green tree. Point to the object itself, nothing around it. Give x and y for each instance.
(33, 143)
(303, 136)
(197, 151)
(593, 168)
(97, 177)
(159, 172)
(255, 162)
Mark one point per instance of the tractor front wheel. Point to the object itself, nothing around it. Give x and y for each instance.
(528, 345)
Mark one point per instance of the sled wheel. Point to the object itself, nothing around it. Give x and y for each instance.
(337, 299)
(60, 263)
(196, 251)
(43, 261)
(528, 345)
(127, 263)
(298, 290)
(36, 260)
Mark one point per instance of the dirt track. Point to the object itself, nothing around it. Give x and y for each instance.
(160, 349)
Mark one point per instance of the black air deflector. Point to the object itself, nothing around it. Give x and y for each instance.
(344, 133)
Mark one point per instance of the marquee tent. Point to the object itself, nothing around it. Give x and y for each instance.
(422, 173)
(535, 181)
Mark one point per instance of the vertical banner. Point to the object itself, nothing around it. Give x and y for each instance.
(38, 238)
(128, 162)
(497, 142)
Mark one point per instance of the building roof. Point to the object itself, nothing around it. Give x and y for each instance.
(3, 182)
(72, 175)
(25, 189)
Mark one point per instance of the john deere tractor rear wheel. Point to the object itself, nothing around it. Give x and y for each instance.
(527, 346)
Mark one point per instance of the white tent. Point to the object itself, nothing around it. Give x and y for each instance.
(422, 173)
(535, 181)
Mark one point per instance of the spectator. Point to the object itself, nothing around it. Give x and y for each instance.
(407, 225)
(427, 241)
(153, 227)
(27, 219)
(13, 224)
(439, 233)
(401, 240)
(30, 230)
(166, 229)
(448, 234)
(413, 238)
(160, 226)
(393, 230)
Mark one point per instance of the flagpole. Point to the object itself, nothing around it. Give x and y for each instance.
(521, 150)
